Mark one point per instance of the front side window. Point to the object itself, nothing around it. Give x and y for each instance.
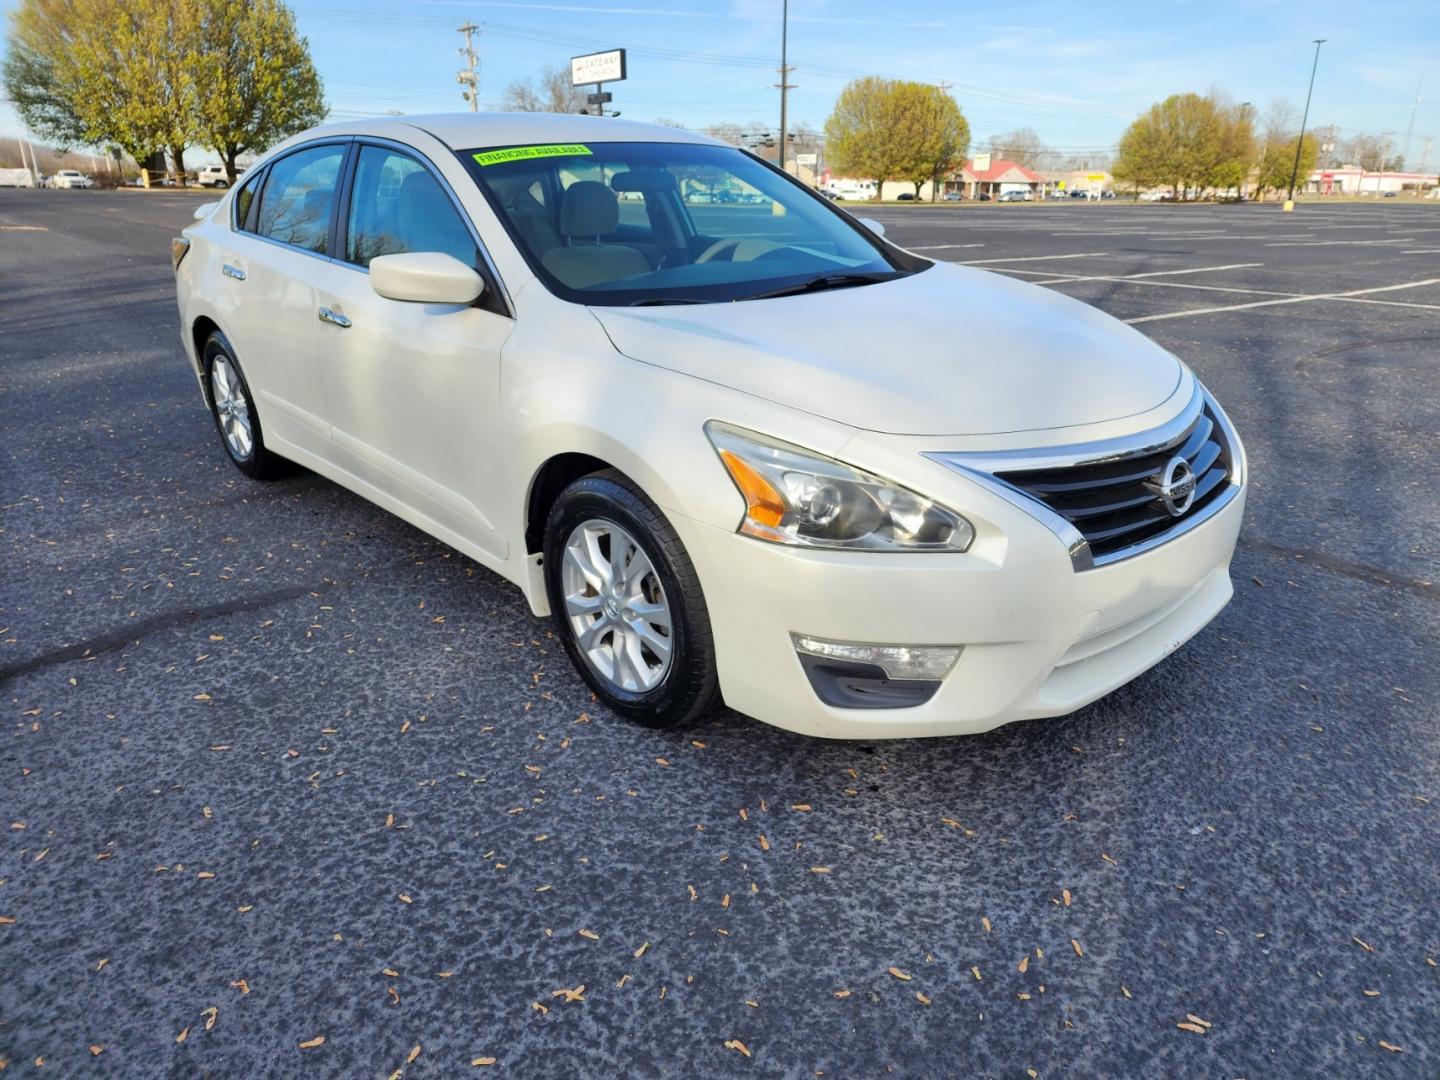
(299, 191)
(655, 223)
(396, 206)
(243, 200)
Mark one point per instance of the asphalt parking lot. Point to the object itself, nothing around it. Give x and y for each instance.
(278, 767)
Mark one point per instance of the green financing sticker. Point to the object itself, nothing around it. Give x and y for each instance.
(520, 153)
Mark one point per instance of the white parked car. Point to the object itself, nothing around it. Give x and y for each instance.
(216, 177)
(17, 178)
(775, 460)
(69, 178)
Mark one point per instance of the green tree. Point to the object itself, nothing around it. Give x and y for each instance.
(1278, 164)
(258, 84)
(890, 129)
(1236, 149)
(149, 75)
(934, 130)
(1179, 142)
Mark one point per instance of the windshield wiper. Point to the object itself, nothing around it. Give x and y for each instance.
(824, 281)
(658, 301)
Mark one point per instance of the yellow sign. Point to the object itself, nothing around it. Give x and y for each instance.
(1095, 177)
(518, 153)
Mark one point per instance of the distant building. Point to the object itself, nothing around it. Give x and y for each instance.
(1353, 180)
(984, 175)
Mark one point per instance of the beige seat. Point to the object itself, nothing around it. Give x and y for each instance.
(589, 211)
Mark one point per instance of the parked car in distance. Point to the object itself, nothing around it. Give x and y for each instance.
(17, 178)
(779, 469)
(1014, 196)
(953, 196)
(69, 178)
(905, 196)
(214, 176)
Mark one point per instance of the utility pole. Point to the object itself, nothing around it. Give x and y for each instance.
(1410, 127)
(1300, 142)
(469, 76)
(784, 85)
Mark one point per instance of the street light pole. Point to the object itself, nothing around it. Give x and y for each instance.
(1300, 142)
(785, 85)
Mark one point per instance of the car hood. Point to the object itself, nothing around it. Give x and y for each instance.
(948, 351)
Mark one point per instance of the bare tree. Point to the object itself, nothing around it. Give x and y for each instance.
(551, 93)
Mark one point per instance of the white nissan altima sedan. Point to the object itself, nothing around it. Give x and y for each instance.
(736, 444)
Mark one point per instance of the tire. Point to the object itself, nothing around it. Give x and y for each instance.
(221, 185)
(232, 407)
(687, 687)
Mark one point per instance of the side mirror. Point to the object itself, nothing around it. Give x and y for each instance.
(873, 225)
(426, 277)
(204, 210)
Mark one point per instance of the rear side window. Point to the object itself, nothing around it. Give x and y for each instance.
(397, 205)
(243, 200)
(298, 194)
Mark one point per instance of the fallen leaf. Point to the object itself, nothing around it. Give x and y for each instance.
(1126, 991)
(1065, 896)
(1076, 946)
(578, 994)
(641, 950)
(820, 869)
(7, 920)
(661, 761)
(311, 1044)
(1391, 1047)
(96, 1049)
(414, 1053)
(921, 998)
(985, 922)
(899, 974)
(764, 844)
(693, 894)
(211, 1015)
(842, 993)
(591, 934)
(1196, 1020)
(541, 1009)
(736, 1044)
(803, 808)
(1024, 964)
(1108, 859)
(1371, 993)
(444, 974)
(1363, 944)
(1196, 1028)
(976, 972)
(205, 875)
(184, 1034)
(241, 985)
(404, 898)
(103, 961)
(482, 1061)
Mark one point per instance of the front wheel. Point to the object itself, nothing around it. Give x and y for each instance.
(627, 603)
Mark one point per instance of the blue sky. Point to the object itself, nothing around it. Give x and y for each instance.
(1076, 71)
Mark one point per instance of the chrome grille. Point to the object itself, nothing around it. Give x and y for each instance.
(1118, 503)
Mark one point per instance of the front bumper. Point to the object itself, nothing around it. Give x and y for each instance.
(1039, 639)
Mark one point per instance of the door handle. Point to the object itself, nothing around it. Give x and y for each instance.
(233, 272)
(334, 318)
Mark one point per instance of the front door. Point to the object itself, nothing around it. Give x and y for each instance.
(412, 389)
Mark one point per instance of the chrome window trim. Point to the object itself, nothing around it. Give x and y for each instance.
(264, 178)
(414, 152)
(980, 467)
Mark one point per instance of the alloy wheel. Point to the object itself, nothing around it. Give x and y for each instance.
(616, 607)
(232, 408)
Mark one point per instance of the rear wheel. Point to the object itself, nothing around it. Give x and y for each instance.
(233, 408)
(627, 603)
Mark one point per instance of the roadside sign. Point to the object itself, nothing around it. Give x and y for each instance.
(601, 98)
(806, 159)
(601, 67)
(1095, 177)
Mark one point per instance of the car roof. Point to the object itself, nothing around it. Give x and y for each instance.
(465, 130)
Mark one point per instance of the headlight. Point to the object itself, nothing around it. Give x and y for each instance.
(795, 497)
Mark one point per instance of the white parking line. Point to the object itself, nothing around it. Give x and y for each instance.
(1039, 258)
(1154, 273)
(1285, 300)
(942, 247)
(1422, 251)
(1333, 243)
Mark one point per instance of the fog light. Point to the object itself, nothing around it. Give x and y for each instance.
(930, 662)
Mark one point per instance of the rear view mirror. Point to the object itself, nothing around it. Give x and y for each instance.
(873, 225)
(427, 277)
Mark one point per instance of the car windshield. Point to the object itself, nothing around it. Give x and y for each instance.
(656, 223)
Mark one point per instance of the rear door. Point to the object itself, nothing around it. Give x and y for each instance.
(281, 237)
(412, 388)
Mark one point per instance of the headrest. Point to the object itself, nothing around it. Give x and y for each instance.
(421, 205)
(589, 209)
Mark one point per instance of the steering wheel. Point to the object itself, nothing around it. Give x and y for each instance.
(741, 249)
